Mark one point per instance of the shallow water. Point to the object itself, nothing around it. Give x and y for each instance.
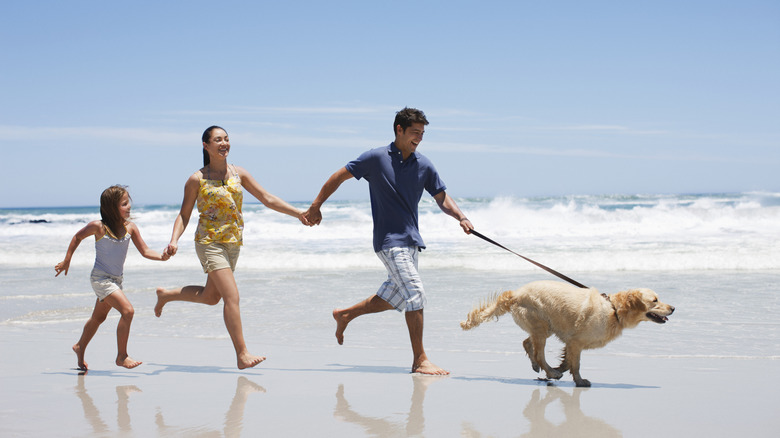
(718, 313)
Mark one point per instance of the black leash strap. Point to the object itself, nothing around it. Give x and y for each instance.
(551, 271)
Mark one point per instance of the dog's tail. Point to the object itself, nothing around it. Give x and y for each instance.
(491, 308)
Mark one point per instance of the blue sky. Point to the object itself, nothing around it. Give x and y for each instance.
(525, 98)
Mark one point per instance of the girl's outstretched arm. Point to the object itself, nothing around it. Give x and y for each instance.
(139, 243)
(91, 229)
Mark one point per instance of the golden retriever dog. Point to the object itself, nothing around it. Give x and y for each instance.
(582, 319)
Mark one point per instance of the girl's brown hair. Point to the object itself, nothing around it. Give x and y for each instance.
(109, 209)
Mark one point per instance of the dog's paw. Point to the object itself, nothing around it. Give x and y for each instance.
(582, 383)
(554, 374)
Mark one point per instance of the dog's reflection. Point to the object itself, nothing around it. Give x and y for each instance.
(576, 423)
(415, 421)
(234, 417)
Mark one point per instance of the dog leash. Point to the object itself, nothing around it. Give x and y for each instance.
(551, 271)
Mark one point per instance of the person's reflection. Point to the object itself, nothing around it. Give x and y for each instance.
(92, 414)
(415, 423)
(234, 417)
(122, 411)
(576, 422)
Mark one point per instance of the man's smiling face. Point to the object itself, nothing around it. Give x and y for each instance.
(407, 140)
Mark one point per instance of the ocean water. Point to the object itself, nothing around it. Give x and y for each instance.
(715, 257)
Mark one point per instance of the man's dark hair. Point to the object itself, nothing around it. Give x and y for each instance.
(407, 116)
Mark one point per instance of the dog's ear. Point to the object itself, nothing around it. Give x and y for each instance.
(636, 301)
(629, 302)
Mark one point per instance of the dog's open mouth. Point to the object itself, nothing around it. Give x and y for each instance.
(657, 318)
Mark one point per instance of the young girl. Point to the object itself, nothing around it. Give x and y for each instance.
(112, 236)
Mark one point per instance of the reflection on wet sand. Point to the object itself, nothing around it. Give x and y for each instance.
(234, 417)
(415, 422)
(91, 412)
(550, 411)
(576, 423)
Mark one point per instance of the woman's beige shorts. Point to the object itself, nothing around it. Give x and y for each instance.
(214, 256)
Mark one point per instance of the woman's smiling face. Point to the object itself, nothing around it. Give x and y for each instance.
(218, 145)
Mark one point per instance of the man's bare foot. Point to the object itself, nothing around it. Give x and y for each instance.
(127, 362)
(80, 357)
(160, 302)
(248, 360)
(426, 367)
(341, 324)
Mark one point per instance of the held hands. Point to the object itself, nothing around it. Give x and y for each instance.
(304, 220)
(313, 215)
(170, 250)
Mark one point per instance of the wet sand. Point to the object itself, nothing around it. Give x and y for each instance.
(189, 386)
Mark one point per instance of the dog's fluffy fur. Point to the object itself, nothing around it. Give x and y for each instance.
(582, 319)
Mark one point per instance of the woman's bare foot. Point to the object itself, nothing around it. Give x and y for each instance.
(160, 302)
(80, 357)
(427, 367)
(341, 324)
(127, 362)
(247, 360)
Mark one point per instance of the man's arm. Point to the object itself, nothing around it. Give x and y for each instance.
(448, 205)
(313, 214)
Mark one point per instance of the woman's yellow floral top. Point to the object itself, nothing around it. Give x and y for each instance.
(219, 203)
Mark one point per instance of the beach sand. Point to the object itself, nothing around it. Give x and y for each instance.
(190, 387)
(712, 371)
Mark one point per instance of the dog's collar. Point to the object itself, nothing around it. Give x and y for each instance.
(606, 297)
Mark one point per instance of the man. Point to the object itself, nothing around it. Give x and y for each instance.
(397, 175)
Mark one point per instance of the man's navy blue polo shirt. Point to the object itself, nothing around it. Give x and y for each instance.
(396, 186)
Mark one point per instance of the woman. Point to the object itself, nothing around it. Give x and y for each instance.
(217, 191)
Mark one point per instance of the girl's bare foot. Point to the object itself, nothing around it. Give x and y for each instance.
(80, 357)
(341, 325)
(127, 362)
(247, 360)
(427, 367)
